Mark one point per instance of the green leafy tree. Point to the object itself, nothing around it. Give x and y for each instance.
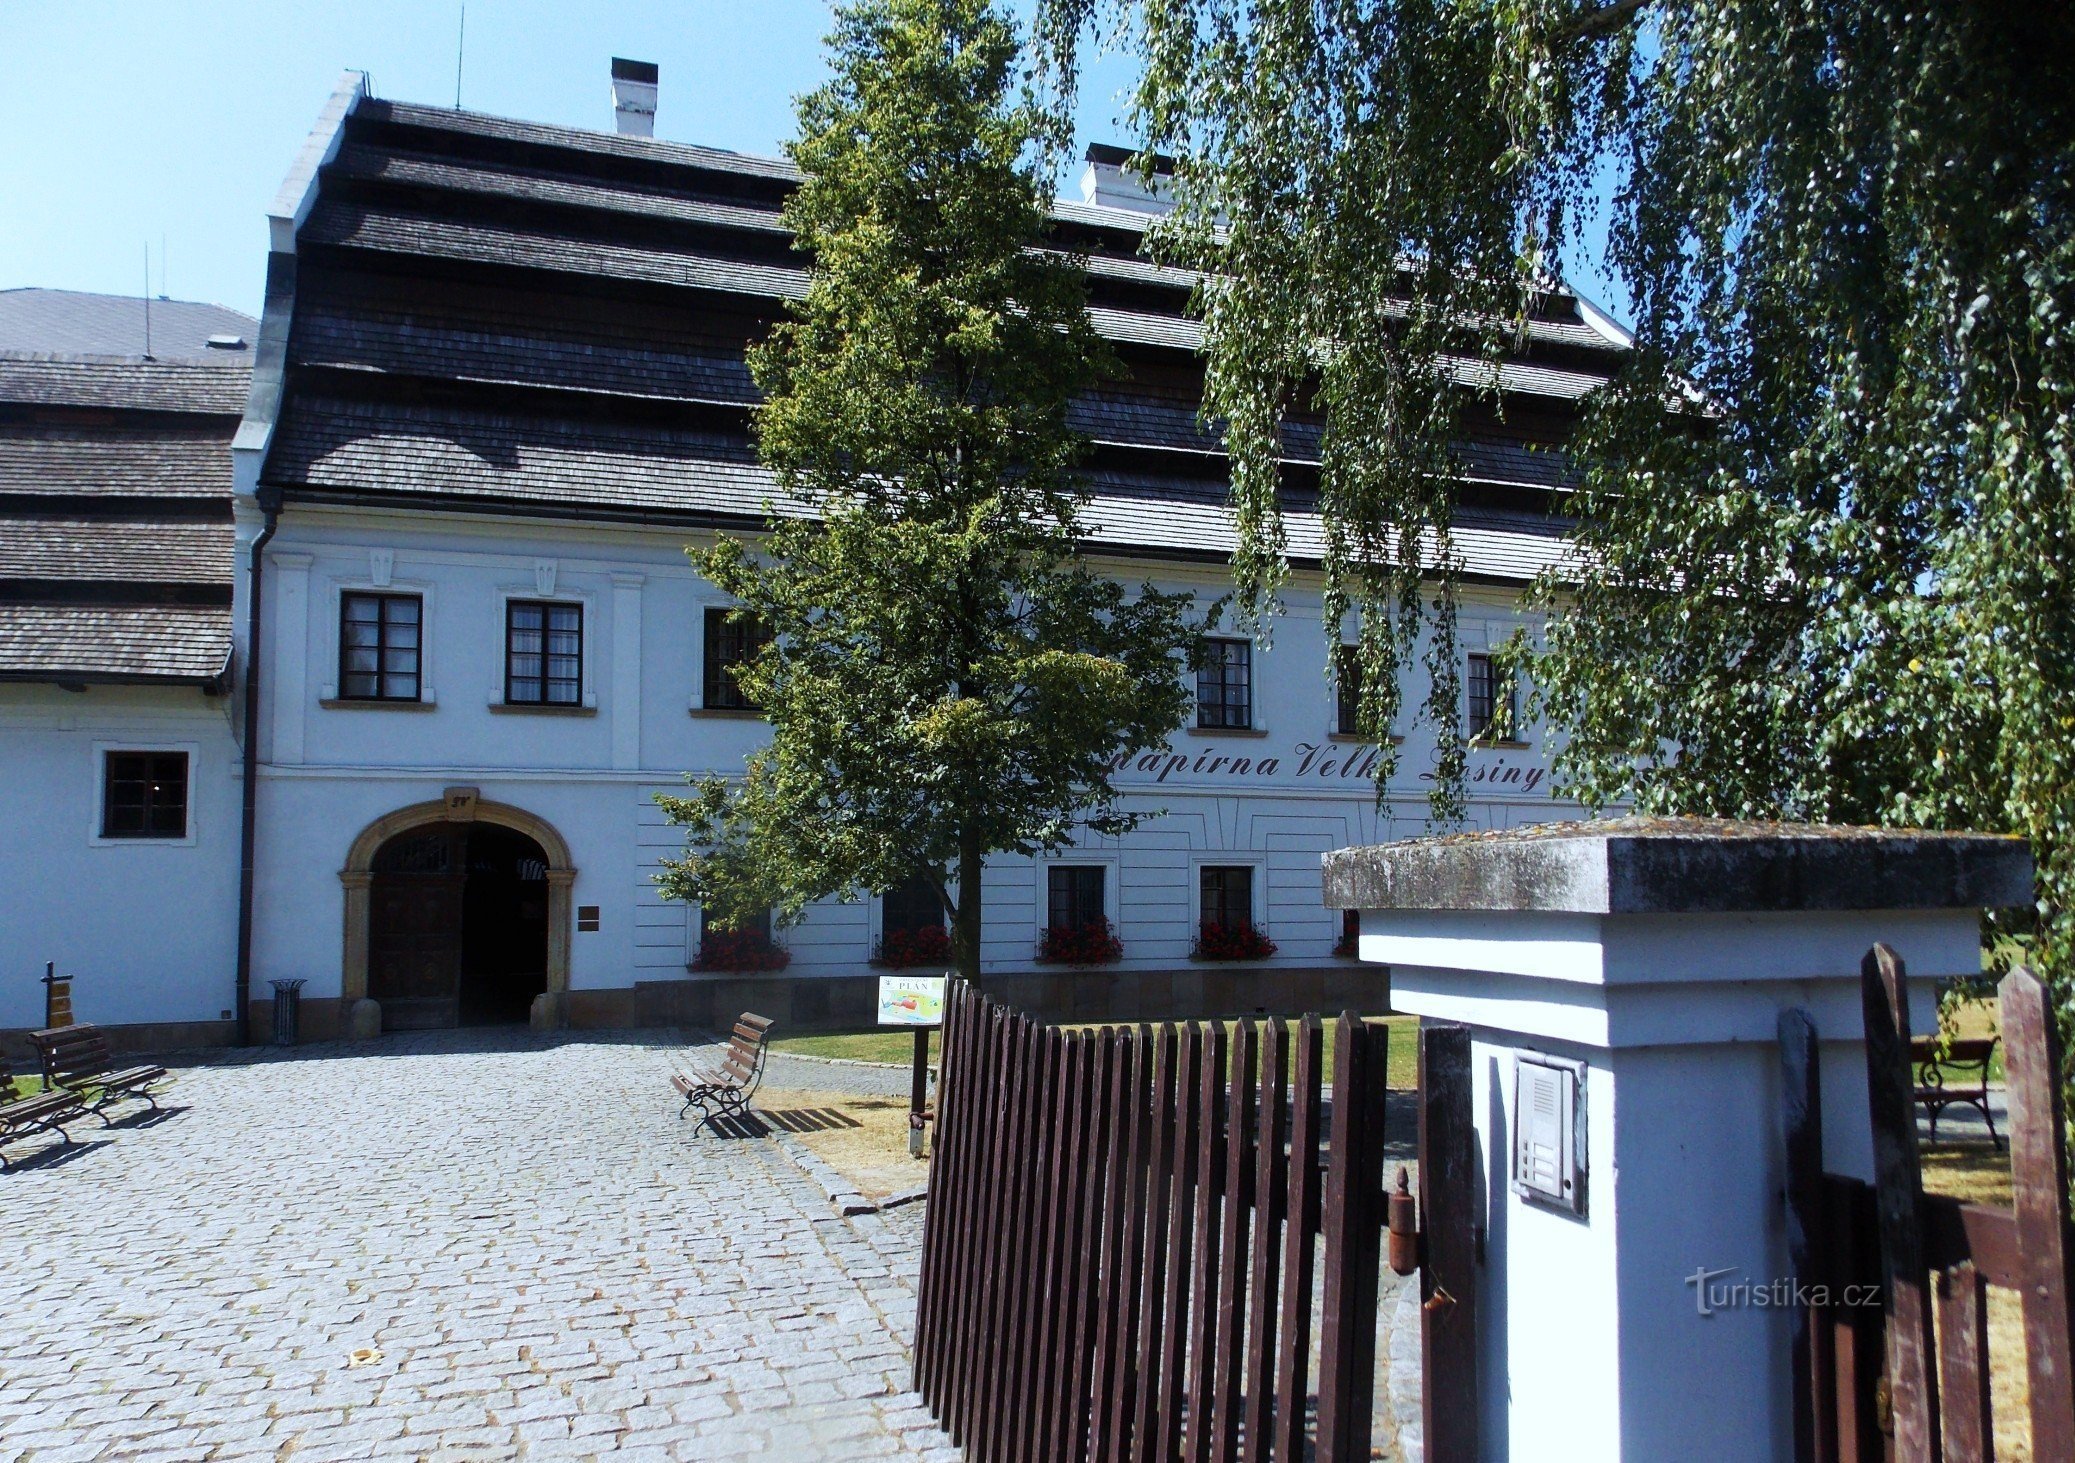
(946, 677)
(1827, 528)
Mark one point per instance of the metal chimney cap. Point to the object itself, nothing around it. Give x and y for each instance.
(625, 70)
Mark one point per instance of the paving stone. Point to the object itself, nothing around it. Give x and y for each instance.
(540, 1280)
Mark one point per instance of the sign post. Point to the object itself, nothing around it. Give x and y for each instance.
(916, 1001)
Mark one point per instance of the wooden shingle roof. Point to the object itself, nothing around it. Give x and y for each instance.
(505, 316)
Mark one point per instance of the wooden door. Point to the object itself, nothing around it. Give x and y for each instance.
(414, 927)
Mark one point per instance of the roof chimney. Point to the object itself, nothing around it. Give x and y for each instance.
(1110, 182)
(634, 97)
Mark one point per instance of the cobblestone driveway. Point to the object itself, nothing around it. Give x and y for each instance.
(548, 1263)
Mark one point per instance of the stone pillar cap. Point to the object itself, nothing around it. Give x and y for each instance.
(1682, 866)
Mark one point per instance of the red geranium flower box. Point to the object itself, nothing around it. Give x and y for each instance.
(1094, 943)
(903, 949)
(1230, 942)
(740, 950)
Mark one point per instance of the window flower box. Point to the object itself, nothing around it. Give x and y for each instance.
(1093, 943)
(1230, 942)
(905, 949)
(740, 950)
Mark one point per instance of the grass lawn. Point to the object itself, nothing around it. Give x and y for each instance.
(882, 1045)
(863, 1138)
(898, 1047)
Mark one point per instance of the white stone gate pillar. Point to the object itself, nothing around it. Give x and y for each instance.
(1648, 961)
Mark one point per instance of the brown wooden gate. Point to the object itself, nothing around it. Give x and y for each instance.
(1139, 1243)
(1907, 1376)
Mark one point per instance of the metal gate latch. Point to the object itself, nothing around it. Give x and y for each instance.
(1403, 1223)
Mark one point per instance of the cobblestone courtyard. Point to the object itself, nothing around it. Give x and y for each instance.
(542, 1260)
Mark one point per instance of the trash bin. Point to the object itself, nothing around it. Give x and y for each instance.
(288, 1006)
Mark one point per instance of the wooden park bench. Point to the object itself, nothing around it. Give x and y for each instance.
(79, 1058)
(41, 1112)
(729, 1087)
(1938, 1089)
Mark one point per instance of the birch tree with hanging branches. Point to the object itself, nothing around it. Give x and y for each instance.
(1826, 531)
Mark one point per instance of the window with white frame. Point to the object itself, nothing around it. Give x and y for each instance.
(543, 653)
(1225, 686)
(1226, 896)
(381, 646)
(1492, 701)
(732, 638)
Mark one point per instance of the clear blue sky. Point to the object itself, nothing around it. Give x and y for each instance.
(125, 122)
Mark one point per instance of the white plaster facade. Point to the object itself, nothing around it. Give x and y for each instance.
(1273, 798)
(148, 925)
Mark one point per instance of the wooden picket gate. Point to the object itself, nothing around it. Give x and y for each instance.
(1127, 1232)
(1875, 1381)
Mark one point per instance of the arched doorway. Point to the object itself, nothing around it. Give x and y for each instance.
(457, 912)
(457, 926)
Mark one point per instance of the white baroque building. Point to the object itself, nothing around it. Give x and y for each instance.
(499, 387)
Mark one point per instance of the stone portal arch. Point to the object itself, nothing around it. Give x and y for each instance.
(363, 1017)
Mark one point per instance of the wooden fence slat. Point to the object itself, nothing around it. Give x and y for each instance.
(1448, 1263)
(2039, 1169)
(1152, 1317)
(1294, 1349)
(1232, 1245)
(939, 1214)
(1037, 1241)
(1052, 1292)
(1047, 1134)
(1368, 1252)
(1912, 1383)
(1963, 1364)
(1001, 1179)
(1166, 1440)
(1123, 1404)
(991, 1051)
(1000, 1159)
(1069, 1342)
(1095, 1197)
(1203, 1304)
(1110, 1289)
(1270, 1192)
(1858, 1340)
(1336, 1224)
(958, 1295)
(1801, 1132)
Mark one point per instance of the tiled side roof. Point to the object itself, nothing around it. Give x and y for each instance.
(125, 461)
(77, 322)
(116, 539)
(90, 550)
(99, 642)
(126, 385)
